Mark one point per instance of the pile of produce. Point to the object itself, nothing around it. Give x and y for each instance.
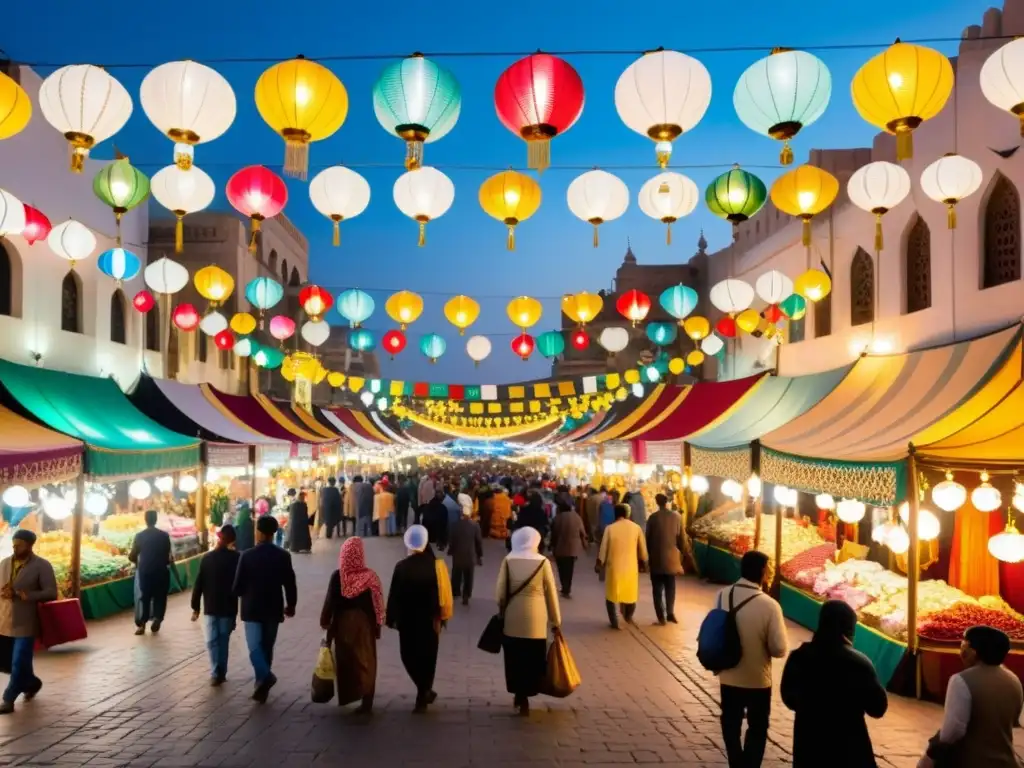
(950, 624)
(120, 529)
(99, 567)
(803, 569)
(101, 560)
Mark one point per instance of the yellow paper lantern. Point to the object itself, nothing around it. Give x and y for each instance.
(287, 369)
(355, 383)
(461, 312)
(697, 327)
(696, 357)
(676, 366)
(632, 376)
(813, 285)
(302, 101)
(404, 307)
(524, 311)
(15, 107)
(510, 197)
(621, 394)
(214, 284)
(243, 323)
(900, 88)
(582, 307)
(805, 192)
(612, 381)
(336, 379)
(748, 320)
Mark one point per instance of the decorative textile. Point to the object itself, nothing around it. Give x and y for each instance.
(881, 483)
(32, 472)
(369, 427)
(637, 414)
(365, 431)
(309, 422)
(707, 403)
(357, 578)
(732, 464)
(971, 568)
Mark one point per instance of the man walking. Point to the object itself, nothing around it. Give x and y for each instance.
(362, 501)
(151, 553)
(747, 687)
(466, 546)
(405, 497)
(264, 573)
(330, 507)
(27, 581)
(568, 542)
(592, 508)
(213, 587)
(665, 547)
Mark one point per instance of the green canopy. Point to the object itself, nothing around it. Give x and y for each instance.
(120, 441)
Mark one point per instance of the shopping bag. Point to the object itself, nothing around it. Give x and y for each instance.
(562, 677)
(6, 654)
(61, 621)
(322, 688)
(490, 640)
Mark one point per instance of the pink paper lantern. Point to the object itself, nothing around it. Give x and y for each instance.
(282, 327)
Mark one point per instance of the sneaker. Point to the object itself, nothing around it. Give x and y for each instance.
(140, 630)
(673, 619)
(6, 707)
(29, 695)
(216, 682)
(263, 689)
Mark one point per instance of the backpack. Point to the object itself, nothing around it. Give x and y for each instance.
(718, 641)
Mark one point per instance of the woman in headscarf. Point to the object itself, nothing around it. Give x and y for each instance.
(299, 539)
(416, 609)
(352, 616)
(813, 673)
(528, 599)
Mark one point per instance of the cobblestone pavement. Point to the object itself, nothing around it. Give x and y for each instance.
(120, 700)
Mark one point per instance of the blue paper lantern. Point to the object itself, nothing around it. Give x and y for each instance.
(662, 334)
(432, 346)
(679, 300)
(362, 340)
(263, 293)
(355, 306)
(119, 264)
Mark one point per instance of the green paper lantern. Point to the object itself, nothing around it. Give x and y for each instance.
(794, 307)
(122, 186)
(268, 357)
(551, 344)
(736, 195)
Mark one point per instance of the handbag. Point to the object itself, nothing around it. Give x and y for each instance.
(61, 621)
(562, 676)
(322, 687)
(490, 640)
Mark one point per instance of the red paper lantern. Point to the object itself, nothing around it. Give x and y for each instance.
(523, 345)
(726, 327)
(224, 340)
(579, 340)
(394, 342)
(258, 193)
(538, 98)
(772, 313)
(143, 301)
(634, 306)
(185, 317)
(37, 226)
(315, 301)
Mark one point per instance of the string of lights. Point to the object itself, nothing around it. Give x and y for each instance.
(469, 167)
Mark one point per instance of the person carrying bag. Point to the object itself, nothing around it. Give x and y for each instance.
(562, 677)
(322, 687)
(490, 640)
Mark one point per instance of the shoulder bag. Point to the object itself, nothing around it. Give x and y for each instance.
(490, 640)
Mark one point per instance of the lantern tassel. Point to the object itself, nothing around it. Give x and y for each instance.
(668, 235)
(423, 234)
(511, 237)
(538, 154)
(596, 240)
(296, 159)
(904, 144)
(786, 155)
(336, 239)
(663, 158)
(252, 237)
(413, 155)
(117, 227)
(179, 235)
(806, 235)
(951, 215)
(878, 233)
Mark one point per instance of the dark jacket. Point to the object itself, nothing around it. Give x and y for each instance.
(435, 520)
(264, 572)
(362, 499)
(413, 600)
(404, 499)
(465, 543)
(330, 505)
(568, 534)
(151, 551)
(534, 516)
(665, 543)
(813, 674)
(214, 583)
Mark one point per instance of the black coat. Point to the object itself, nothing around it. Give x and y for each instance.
(534, 516)
(414, 599)
(330, 505)
(435, 520)
(465, 543)
(214, 583)
(831, 688)
(265, 581)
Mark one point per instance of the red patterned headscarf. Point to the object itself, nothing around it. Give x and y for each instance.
(356, 578)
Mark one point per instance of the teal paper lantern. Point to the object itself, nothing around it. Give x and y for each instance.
(432, 346)
(355, 306)
(662, 334)
(679, 301)
(551, 344)
(417, 100)
(245, 347)
(264, 293)
(736, 195)
(782, 93)
(268, 357)
(362, 340)
(794, 306)
(119, 264)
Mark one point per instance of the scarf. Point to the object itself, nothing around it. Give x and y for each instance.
(525, 543)
(356, 578)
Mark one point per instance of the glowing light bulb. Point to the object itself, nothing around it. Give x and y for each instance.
(118, 189)
(301, 94)
(511, 197)
(404, 313)
(460, 317)
(896, 80)
(805, 200)
(737, 195)
(524, 318)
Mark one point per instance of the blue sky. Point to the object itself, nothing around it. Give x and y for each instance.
(466, 248)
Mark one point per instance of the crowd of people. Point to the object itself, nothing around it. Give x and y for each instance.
(829, 685)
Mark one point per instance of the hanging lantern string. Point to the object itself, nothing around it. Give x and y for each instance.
(476, 167)
(595, 52)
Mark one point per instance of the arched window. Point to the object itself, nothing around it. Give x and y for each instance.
(919, 267)
(118, 324)
(862, 288)
(71, 303)
(284, 271)
(294, 279)
(1002, 235)
(273, 261)
(6, 283)
(823, 317)
(153, 330)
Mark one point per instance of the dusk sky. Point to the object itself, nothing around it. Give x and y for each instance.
(466, 252)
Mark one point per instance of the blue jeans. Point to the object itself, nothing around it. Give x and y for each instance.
(260, 638)
(23, 678)
(364, 527)
(218, 639)
(392, 525)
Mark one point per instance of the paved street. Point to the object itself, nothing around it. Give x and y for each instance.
(119, 700)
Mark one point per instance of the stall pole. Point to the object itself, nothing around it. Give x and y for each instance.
(914, 553)
(204, 535)
(77, 523)
(252, 481)
(689, 497)
(755, 469)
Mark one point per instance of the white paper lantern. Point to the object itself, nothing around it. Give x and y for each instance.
(928, 526)
(188, 102)
(16, 497)
(851, 511)
(188, 484)
(164, 484)
(87, 105)
(898, 540)
(949, 495)
(596, 197)
(1002, 81)
(949, 180)
(699, 484)
(877, 188)
(56, 507)
(731, 295)
(614, 339)
(478, 348)
(732, 489)
(773, 286)
(72, 241)
(880, 533)
(424, 195)
(986, 497)
(637, 389)
(96, 504)
(140, 490)
(182, 192)
(165, 276)
(213, 323)
(754, 486)
(711, 345)
(12, 214)
(824, 501)
(786, 497)
(668, 197)
(367, 398)
(316, 332)
(662, 95)
(1007, 546)
(339, 193)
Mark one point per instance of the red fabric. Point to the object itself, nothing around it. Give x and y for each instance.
(456, 392)
(256, 191)
(249, 411)
(706, 402)
(61, 621)
(421, 389)
(356, 578)
(539, 90)
(350, 421)
(639, 449)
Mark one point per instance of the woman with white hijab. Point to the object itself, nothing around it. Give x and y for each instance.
(528, 599)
